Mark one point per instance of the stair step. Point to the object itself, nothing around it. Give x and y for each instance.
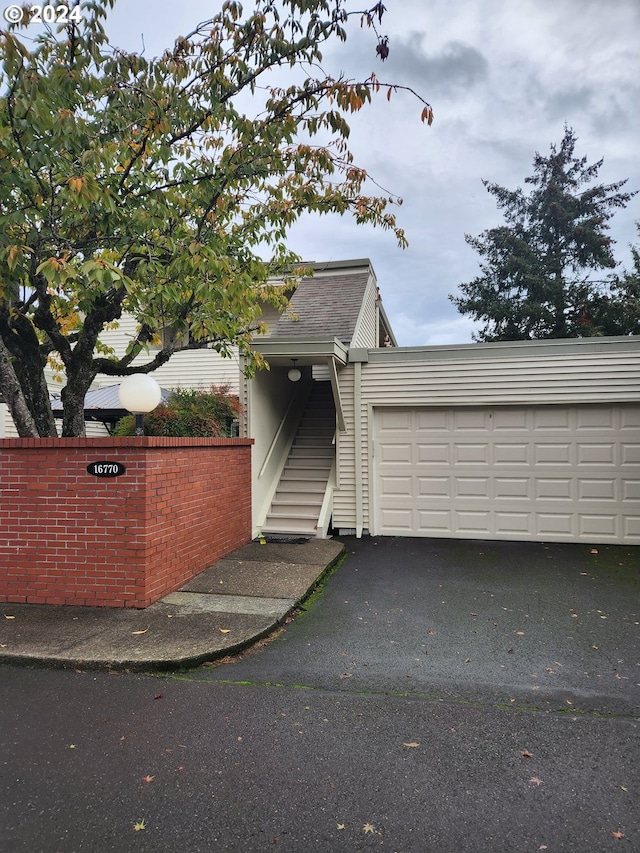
(311, 450)
(298, 462)
(296, 526)
(299, 497)
(293, 509)
(305, 485)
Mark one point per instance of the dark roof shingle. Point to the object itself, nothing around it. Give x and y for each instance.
(326, 306)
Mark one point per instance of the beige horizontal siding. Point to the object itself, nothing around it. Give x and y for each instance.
(611, 377)
(364, 335)
(188, 369)
(606, 374)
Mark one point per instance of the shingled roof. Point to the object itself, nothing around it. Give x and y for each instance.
(326, 306)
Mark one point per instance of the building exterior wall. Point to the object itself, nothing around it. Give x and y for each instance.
(67, 537)
(200, 368)
(559, 372)
(366, 331)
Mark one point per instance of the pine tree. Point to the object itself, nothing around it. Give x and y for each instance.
(542, 271)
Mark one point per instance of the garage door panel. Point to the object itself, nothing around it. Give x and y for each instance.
(630, 454)
(551, 418)
(554, 524)
(545, 453)
(510, 523)
(434, 454)
(438, 487)
(603, 453)
(395, 453)
(599, 420)
(554, 473)
(433, 522)
(465, 420)
(597, 490)
(399, 520)
(630, 419)
(426, 420)
(553, 488)
(472, 487)
(470, 521)
(512, 488)
(602, 526)
(511, 453)
(512, 421)
(630, 490)
(396, 487)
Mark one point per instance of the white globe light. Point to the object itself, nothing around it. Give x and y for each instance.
(139, 393)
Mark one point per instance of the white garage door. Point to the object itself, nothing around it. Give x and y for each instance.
(542, 473)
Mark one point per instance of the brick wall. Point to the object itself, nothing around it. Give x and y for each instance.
(67, 537)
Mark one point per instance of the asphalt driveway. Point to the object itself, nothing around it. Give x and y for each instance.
(553, 626)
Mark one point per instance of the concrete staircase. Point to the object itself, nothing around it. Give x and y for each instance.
(296, 505)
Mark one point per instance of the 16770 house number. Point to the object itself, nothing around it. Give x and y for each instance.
(42, 14)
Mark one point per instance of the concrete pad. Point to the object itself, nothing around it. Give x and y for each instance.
(313, 552)
(256, 578)
(193, 602)
(85, 637)
(198, 623)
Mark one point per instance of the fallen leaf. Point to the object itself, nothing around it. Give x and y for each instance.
(139, 825)
(368, 827)
(9, 617)
(413, 744)
(346, 675)
(520, 633)
(224, 630)
(536, 781)
(140, 632)
(526, 754)
(618, 834)
(148, 778)
(72, 746)
(340, 826)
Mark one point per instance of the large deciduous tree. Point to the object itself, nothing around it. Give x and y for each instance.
(542, 271)
(158, 187)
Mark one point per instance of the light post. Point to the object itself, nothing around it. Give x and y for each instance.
(139, 393)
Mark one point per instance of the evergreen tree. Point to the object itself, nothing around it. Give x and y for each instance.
(542, 270)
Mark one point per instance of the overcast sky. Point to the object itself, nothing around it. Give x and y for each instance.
(503, 77)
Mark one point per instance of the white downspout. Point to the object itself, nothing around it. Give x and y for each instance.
(357, 431)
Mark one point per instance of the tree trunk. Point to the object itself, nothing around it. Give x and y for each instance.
(73, 394)
(24, 384)
(14, 397)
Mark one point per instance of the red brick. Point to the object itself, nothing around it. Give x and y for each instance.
(72, 538)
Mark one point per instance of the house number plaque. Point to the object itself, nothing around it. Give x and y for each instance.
(106, 469)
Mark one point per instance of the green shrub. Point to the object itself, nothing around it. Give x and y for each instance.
(188, 413)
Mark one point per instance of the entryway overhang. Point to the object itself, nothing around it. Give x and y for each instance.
(279, 352)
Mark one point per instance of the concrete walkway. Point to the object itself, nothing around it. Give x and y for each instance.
(239, 600)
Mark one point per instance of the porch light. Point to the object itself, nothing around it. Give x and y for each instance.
(294, 374)
(139, 393)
